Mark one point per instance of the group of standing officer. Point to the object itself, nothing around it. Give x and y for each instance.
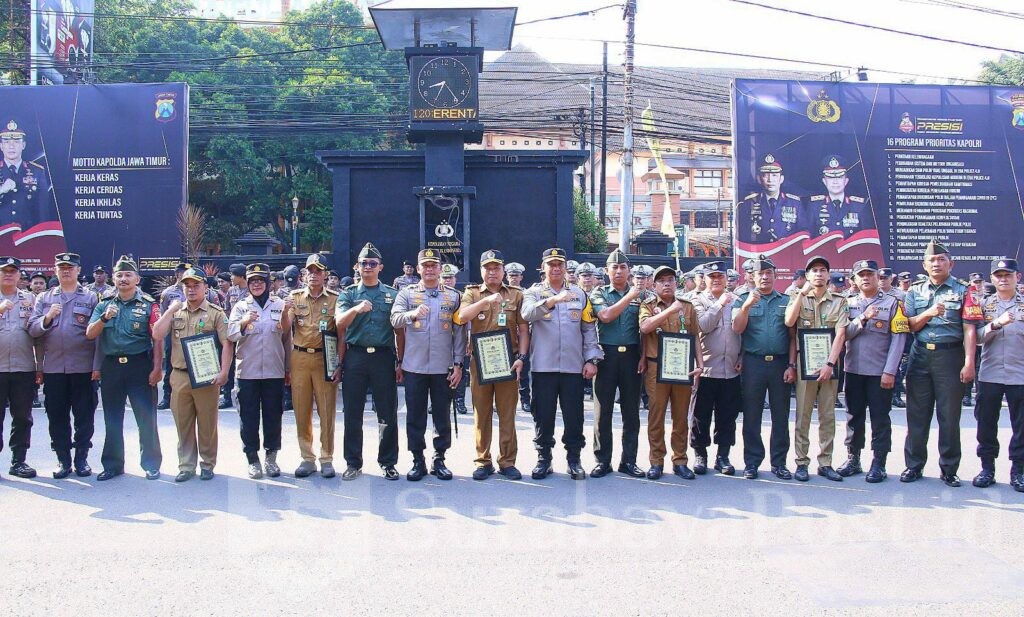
(749, 342)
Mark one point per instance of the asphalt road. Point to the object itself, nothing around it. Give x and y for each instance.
(611, 546)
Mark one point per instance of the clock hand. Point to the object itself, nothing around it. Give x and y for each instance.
(454, 96)
(440, 83)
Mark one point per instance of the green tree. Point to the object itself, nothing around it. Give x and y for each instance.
(590, 236)
(1008, 70)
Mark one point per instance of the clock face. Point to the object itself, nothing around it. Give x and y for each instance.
(444, 83)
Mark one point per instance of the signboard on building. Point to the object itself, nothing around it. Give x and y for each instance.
(62, 37)
(97, 170)
(874, 171)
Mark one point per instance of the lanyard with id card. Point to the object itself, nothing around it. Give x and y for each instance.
(502, 317)
(323, 319)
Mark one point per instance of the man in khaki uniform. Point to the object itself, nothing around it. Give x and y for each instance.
(489, 307)
(814, 306)
(664, 312)
(312, 314)
(194, 407)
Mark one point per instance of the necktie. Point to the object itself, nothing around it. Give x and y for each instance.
(771, 203)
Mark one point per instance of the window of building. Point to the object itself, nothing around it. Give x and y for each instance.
(706, 219)
(707, 178)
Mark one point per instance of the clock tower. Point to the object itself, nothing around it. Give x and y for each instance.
(444, 51)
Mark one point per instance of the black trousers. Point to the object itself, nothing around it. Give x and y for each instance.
(228, 386)
(129, 381)
(68, 393)
(167, 370)
(761, 377)
(934, 389)
(986, 411)
(864, 395)
(418, 387)
(376, 371)
(460, 390)
(524, 382)
(617, 373)
(551, 391)
(16, 391)
(721, 399)
(260, 399)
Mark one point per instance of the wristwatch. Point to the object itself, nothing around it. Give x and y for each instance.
(791, 365)
(458, 364)
(593, 361)
(521, 356)
(830, 364)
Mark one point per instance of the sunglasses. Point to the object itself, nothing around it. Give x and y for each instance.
(369, 264)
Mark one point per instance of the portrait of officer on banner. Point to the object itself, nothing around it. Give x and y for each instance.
(26, 194)
(769, 214)
(837, 210)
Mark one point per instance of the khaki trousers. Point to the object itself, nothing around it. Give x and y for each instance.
(192, 409)
(504, 396)
(308, 385)
(807, 392)
(661, 394)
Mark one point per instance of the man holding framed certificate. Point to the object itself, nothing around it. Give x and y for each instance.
(664, 316)
(432, 365)
(820, 317)
(493, 307)
(197, 373)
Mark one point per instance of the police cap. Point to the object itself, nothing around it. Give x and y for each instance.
(491, 257)
(67, 259)
(1004, 265)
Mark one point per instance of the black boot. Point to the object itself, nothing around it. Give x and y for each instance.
(700, 461)
(987, 476)
(20, 469)
(576, 471)
(460, 406)
(877, 472)
(419, 468)
(1017, 476)
(543, 468)
(63, 469)
(82, 469)
(438, 468)
(852, 465)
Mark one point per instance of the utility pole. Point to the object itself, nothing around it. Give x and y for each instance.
(604, 139)
(626, 202)
(592, 142)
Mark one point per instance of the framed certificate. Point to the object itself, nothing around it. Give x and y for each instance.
(330, 355)
(492, 356)
(815, 345)
(202, 358)
(677, 355)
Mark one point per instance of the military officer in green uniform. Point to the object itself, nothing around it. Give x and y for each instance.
(618, 331)
(131, 369)
(372, 361)
(941, 362)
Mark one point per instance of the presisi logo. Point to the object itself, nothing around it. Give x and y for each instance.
(944, 126)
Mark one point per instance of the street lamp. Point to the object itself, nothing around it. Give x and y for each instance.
(295, 225)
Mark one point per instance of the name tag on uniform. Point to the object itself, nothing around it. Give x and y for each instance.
(323, 325)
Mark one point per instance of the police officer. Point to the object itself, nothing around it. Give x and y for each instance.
(585, 276)
(814, 306)
(769, 366)
(977, 290)
(799, 280)
(941, 362)
(618, 331)
(874, 344)
(449, 272)
(291, 282)
(18, 365)
(769, 214)
(99, 285)
(732, 278)
(70, 365)
(235, 293)
(132, 360)
(372, 361)
(885, 278)
(37, 283)
(835, 210)
(563, 346)
(334, 281)
(409, 276)
(433, 361)
(664, 311)
(167, 296)
(748, 278)
(26, 198)
(260, 327)
(514, 273)
(1001, 374)
(720, 392)
(490, 307)
(311, 311)
(900, 291)
(194, 407)
(570, 271)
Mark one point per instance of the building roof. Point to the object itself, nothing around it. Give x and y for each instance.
(521, 91)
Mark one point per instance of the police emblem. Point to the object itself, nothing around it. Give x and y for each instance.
(906, 124)
(165, 110)
(823, 109)
(1017, 100)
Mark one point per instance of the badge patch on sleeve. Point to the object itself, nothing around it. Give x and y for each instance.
(899, 324)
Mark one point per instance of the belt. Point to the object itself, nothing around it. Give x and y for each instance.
(619, 348)
(124, 359)
(935, 346)
(307, 349)
(770, 358)
(369, 349)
